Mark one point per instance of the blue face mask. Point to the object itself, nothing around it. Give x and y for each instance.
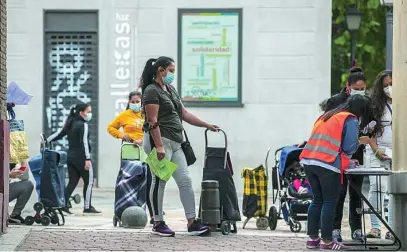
(168, 79)
(135, 107)
(88, 117)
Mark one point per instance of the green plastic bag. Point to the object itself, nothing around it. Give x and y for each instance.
(161, 168)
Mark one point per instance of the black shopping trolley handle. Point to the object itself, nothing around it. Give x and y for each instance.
(224, 134)
(44, 142)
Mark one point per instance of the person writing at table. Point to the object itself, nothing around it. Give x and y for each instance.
(334, 139)
(356, 84)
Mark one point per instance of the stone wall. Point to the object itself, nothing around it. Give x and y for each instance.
(3, 56)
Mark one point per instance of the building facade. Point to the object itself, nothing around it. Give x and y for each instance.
(64, 52)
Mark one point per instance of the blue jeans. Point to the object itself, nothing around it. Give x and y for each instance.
(326, 185)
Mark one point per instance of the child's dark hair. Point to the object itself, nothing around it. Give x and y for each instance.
(151, 68)
(74, 114)
(131, 95)
(355, 74)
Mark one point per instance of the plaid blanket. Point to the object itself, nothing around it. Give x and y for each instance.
(255, 192)
(131, 186)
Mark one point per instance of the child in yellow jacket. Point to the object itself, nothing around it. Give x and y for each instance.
(131, 120)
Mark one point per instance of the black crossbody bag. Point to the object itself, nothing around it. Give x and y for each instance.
(186, 145)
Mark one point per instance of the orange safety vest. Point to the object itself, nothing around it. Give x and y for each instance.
(326, 139)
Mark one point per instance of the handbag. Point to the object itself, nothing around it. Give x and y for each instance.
(186, 145)
(18, 142)
(188, 151)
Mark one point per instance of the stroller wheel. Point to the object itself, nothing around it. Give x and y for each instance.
(38, 207)
(295, 226)
(262, 223)
(29, 220)
(225, 227)
(45, 220)
(273, 218)
(76, 198)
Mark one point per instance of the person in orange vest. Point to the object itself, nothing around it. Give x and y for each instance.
(326, 155)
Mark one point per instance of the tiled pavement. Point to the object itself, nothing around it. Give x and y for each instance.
(142, 241)
(85, 233)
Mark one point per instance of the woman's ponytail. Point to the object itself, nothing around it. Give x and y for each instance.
(70, 118)
(148, 74)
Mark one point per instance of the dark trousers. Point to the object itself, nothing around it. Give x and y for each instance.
(76, 171)
(355, 219)
(325, 185)
(22, 192)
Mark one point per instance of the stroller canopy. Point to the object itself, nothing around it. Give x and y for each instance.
(288, 155)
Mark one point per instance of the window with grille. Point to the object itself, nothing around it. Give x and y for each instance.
(71, 77)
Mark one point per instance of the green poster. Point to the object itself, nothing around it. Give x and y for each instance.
(210, 56)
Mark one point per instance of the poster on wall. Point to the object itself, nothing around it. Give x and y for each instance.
(210, 57)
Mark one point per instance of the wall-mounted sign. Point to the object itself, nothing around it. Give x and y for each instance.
(210, 57)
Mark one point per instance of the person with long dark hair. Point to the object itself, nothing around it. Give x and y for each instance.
(381, 144)
(356, 84)
(79, 160)
(163, 130)
(334, 139)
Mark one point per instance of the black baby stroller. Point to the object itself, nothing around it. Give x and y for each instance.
(52, 188)
(218, 167)
(131, 183)
(293, 205)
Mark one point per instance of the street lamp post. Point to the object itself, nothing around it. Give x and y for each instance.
(353, 18)
(388, 4)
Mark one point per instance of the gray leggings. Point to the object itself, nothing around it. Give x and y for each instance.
(174, 153)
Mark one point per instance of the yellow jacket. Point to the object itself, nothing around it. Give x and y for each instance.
(131, 122)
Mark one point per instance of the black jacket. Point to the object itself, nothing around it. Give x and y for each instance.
(78, 139)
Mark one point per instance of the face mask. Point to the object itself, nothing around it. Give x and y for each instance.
(168, 79)
(135, 107)
(357, 92)
(88, 117)
(388, 91)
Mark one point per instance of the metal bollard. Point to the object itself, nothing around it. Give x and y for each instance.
(210, 202)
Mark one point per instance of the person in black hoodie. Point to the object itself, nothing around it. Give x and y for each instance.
(356, 84)
(79, 159)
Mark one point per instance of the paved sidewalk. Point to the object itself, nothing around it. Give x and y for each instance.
(97, 233)
(142, 241)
